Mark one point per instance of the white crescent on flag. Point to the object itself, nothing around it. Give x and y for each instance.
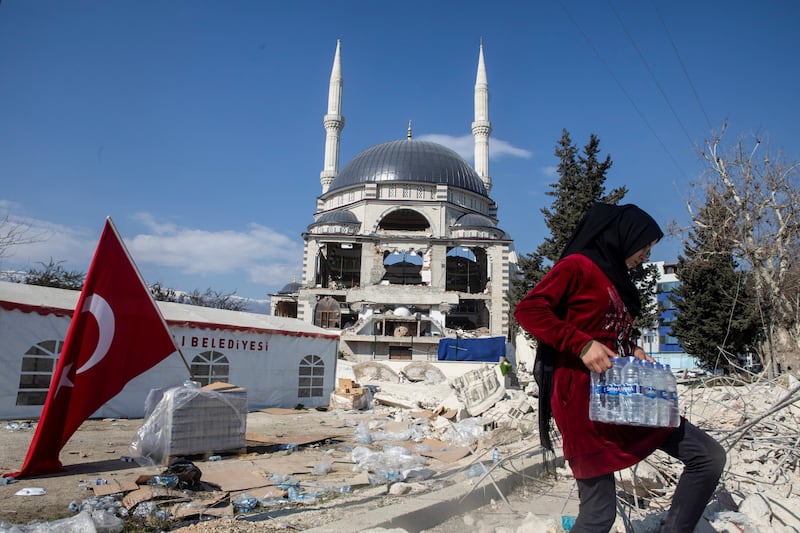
(97, 306)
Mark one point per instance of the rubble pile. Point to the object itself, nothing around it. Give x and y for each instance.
(390, 434)
(758, 423)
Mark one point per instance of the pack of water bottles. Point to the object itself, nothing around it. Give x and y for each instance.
(635, 392)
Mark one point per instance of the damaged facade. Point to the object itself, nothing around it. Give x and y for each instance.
(405, 246)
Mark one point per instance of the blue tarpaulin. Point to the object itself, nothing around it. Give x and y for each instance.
(488, 349)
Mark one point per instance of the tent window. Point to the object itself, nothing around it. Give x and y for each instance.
(36, 372)
(312, 374)
(210, 367)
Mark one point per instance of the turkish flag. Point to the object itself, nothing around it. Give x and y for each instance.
(116, 333)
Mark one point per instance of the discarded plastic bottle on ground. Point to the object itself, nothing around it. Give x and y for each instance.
(73, 506)
(597, 398)
(164, 481)
(244, 503)
(476, 470)
(496, 456)
(215, 458)
(613, 386)
(630, 395)
(650, 394)
(672, 393)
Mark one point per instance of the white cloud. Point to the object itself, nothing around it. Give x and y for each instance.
(256, 254)
(465, 146)
(40, 241)
(257, 251)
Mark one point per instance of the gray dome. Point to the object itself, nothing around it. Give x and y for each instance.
(290, 288)
(337, 217)
(410, 161)
(473, 220)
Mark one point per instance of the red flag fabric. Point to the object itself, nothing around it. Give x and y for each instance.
(116, 333)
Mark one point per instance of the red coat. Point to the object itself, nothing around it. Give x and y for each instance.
(576, 289)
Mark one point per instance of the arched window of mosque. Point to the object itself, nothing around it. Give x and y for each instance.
(406, 191)
(351, 196)
(327, 313)
(392, 191)
(311, 377)
(210, 367)
(36, 371)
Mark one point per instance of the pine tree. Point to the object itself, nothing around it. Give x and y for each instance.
(581, 183)
(646, 279)
(716, 310)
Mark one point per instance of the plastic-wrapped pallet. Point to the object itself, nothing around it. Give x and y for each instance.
(190, 420)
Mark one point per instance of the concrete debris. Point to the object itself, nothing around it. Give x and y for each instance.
(478, 389)
(421, 371)
(374, 371)
(756, 420)
(412, 434)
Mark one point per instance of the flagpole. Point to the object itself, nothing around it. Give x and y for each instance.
(155, 304)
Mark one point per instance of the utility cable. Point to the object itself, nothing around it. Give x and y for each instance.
(683, 65)
(621, 87)
(650, 71)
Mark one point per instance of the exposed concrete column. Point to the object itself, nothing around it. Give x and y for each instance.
(312, 247)
(438, 265)
(498, 258)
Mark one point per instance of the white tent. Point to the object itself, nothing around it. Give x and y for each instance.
(281, 362)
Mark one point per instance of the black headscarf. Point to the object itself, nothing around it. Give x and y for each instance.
(607, 234)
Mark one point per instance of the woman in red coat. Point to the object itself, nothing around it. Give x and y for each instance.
(582, 315)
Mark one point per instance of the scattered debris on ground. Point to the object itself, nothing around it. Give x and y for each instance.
(390, 436)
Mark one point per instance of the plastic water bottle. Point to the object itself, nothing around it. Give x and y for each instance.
(613, 386)
(649, 394)
(662, 397)
(496, 456)
(630, 397)
(672, 392)
(597, 397)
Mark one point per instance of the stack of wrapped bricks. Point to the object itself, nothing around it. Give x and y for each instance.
(203, 421)
(349, 395)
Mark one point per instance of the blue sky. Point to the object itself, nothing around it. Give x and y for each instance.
(197, 125)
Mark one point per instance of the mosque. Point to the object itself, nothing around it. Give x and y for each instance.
(404, 248)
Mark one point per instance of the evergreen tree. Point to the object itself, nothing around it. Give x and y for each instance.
(581, 183)
(716, 309)
(646, 279)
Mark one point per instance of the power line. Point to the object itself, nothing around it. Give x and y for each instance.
(683, 66)
(650, 71)
(621, 87)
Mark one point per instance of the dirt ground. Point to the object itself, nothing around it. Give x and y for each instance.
(96, 449)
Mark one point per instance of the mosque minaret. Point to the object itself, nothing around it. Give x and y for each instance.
(334, 122)
(481, 127)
